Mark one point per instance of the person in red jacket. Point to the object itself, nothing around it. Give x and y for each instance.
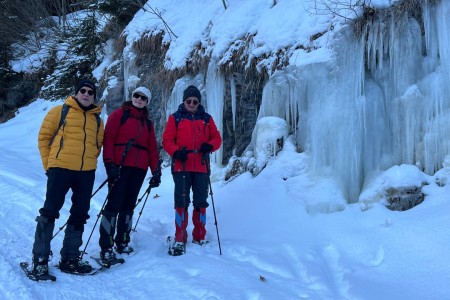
(129, 149)
(189, 137)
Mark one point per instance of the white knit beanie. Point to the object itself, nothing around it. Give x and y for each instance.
(143, 91)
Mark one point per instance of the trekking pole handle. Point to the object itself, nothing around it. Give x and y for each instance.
(125, 151)
(124, 155)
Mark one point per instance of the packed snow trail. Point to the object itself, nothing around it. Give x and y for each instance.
(283, 225)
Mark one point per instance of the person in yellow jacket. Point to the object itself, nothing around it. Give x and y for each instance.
(69, 155)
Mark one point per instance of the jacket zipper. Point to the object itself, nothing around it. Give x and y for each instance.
(84, 142)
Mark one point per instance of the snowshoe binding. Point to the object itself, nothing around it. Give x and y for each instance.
(39, 272)
(76, 266)
(108, 258)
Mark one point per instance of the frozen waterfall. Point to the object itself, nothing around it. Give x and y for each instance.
(383, 100)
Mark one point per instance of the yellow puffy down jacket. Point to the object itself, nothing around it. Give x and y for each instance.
(77, 144)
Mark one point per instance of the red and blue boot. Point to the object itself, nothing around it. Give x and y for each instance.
(199, 221)
(181, 222)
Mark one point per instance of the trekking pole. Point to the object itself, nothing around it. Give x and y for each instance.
(143, 205)
(147, 191)
(62, 227)
(100, 187)
(124, 155)
(183, 196)
(148, 194)
(183, 163)
(212, 198)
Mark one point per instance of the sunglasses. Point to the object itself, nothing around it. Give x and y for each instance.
(188, 102)
(90, 92)
(137, 96)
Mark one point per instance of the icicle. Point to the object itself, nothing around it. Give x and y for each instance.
(443, 32)
(334, 122)
(431, 39)
(435, 88)
(233, 101)
(214, 102)
(129, 71)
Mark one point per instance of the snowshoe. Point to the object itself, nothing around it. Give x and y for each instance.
(107, 265)
(38, 273)
(76, 267)
(108, 258)
(177, 249)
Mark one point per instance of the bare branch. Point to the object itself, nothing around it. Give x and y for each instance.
(346, 9)
(157, 13)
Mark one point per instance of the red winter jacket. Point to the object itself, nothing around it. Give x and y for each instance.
(143, 152)
(191, 132)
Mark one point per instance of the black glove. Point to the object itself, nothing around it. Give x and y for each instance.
(156, 179)
(112, 170)
(181, 155)
(206, 148)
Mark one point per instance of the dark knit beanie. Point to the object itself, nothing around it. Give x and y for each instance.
(86, 83)
(192, 91)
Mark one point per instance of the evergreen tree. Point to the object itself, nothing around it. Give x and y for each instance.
(82, 55)
(122, 10)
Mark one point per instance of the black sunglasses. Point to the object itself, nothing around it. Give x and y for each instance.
(90, 92)
(193, 101)
(137, 96)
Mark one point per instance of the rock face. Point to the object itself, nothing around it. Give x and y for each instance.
(248, 95)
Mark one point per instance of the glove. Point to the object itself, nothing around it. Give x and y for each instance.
(181, 155)
(206, 148)
(113, 171)
(156, 179)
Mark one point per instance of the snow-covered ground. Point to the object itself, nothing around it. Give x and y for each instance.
(283, 234)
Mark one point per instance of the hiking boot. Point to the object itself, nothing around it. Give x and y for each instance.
(107, 256)
(75, 266)
(201, 242)
(40, 267)
(181, 223)
(178, 249)
(199, 221)
(124, 248)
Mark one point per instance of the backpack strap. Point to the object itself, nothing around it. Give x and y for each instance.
(125, 116)
(62, 121)
(206, 118)
(178, 117)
